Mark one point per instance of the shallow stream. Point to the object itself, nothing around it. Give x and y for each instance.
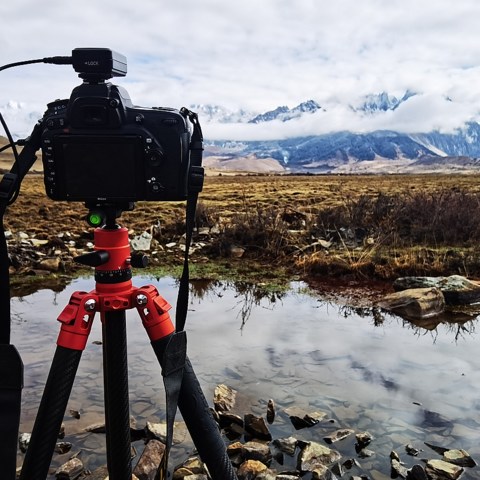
(402, 383)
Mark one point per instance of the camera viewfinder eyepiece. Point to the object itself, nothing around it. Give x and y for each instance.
(98, 64)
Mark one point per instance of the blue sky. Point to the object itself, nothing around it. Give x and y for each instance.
(256, 55)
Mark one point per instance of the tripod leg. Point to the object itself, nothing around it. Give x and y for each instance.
(117, 411)
(199, 420)
(50, 413)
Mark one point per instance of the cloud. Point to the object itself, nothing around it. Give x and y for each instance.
(255, 55)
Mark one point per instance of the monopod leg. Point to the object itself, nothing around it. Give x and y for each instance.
(117, 412)
(50, 413)
(199, 420)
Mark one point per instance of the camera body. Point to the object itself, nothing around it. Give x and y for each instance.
(98, 147)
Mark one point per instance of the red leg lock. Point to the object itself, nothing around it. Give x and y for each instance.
(77, 319)
(153, 309)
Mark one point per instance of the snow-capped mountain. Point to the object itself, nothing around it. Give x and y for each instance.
(285, 114)
(382, 102)
(337, 150)
(340, 149)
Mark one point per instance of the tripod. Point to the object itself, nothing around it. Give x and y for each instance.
(114, 293)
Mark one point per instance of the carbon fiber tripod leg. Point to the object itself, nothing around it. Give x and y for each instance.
(50, 413)
(117, 411)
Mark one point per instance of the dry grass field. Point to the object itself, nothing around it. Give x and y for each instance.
(357, 226)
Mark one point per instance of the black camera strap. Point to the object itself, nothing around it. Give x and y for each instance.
(175, 354)
(11, 365)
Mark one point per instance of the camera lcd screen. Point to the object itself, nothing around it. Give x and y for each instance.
(103, 167)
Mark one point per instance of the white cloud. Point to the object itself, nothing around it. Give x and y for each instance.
(258, 55)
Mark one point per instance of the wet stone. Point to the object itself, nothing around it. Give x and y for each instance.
(314, 455)
(303, 419)
(460, 458)
(441, 470)
(270, 411)
(257, 427)
(70, 470)
(363, 439)
(63, 447)
(338, 435)
(257, 451)
(417, 472)
(224, 398)
(250, 469)
(152, 455)
(411, 450)
(191, 466)
(286, 445)
(23, 441)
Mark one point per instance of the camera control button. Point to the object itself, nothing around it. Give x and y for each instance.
(155, 157)
(156, 187)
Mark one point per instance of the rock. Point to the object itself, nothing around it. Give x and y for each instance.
(338, 435)
(417, 472)
(302, 419)
(62, 447)
(152, 455)
(257, 427)
(257, 451)
(159, 431)
(227, 419)
(460, 458)
(250, 469)
(192, 466)
(363, 439)
(398, 468)
(315, 455)
(270, 411)
(23, 441)
(414, 302)
(441, 470)
(411, 450)
(70, 470)
(457, 290)
(224, 398)
(286, 445)
(236, 251)
(50, 264)
(142, 242)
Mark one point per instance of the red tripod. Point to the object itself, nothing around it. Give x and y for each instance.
(112, 296)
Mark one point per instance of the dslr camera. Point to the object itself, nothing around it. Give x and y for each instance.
(98, 147)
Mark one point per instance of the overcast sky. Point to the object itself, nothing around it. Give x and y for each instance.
(257, 55)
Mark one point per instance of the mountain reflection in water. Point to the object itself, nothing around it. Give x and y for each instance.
(403, 382)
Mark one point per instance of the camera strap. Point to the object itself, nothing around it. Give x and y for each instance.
(11, 365)
(175, 354)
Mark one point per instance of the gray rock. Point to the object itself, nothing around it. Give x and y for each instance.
(315, 455)
(286, 445)
(460, 458)
(338, 435)
(141, 242)
(414, 303)
(457, 290)
(301, 418)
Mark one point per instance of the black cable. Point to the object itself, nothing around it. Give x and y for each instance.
(54, 60)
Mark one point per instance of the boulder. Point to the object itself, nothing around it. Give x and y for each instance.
(414, 302)
(457, 290)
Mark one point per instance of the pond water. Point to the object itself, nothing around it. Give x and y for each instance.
(402, 383)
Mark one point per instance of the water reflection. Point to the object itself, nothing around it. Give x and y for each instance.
(403, 382)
